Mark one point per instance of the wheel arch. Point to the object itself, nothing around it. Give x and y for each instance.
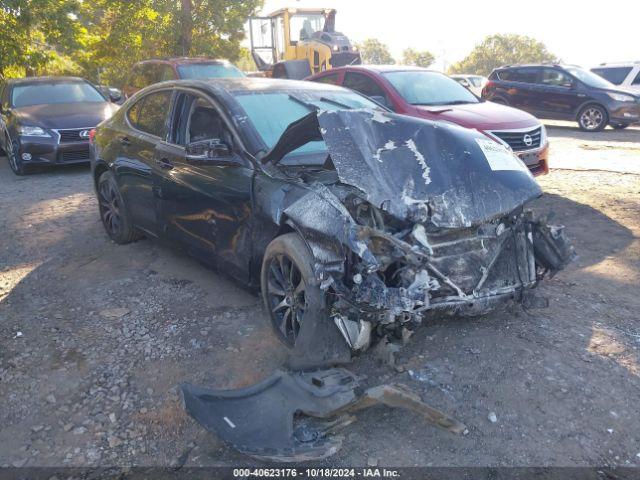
(99, 168)
(589, 102)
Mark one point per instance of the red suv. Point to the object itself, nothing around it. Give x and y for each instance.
(423, 93)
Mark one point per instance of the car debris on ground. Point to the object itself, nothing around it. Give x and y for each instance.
(294, 416)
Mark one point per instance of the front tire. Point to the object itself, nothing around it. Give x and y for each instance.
(113, 211)
(593, 118)
(286, 281)
(14, 159)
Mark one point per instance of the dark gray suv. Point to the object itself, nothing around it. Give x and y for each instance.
(564, 92)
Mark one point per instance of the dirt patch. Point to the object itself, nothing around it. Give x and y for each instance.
(79, 387)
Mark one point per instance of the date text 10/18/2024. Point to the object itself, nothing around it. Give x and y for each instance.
(369, 472)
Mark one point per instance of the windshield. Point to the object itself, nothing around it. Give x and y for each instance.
(429, 88)
(303, 26)
(589, 78)
(272, 112)
(476, 81)
(46, 93)
(209, 70)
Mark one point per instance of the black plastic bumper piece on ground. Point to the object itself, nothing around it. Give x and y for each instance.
(293, 416)
(259, 420)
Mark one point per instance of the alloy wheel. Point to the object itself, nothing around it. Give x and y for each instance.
(12, 155)
(286, 297)
(110, 208)
(591, 118)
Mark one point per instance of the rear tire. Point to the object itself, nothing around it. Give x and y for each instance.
(593, 118)
(113, 211)
(286, 281)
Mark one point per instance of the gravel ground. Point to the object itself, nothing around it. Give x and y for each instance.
(94, 338)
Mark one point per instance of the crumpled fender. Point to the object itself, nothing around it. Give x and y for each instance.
(328, 228)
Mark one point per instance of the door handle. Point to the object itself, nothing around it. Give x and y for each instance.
(125, 141)
(164, 163)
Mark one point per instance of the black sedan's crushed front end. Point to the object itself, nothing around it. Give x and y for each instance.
(425, 219)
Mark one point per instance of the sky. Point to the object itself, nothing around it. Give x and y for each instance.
(585, 32)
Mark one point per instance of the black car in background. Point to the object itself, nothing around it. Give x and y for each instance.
(47, 120)
(354, 221)
(564, 92)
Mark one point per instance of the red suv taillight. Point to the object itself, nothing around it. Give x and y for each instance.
(92, 134)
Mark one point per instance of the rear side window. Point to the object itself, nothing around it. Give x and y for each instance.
(636, 81)
(615, 75)
(4, 96)
(167, 73)
(523, 75)
(149, 115)
(330, 79)
(134, 113)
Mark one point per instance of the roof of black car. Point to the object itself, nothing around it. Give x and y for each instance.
(236, 84)
(385, 68)
(51, 79)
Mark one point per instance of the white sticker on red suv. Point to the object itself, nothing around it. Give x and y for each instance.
(500, 157)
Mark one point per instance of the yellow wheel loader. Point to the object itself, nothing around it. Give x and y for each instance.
(298, 42)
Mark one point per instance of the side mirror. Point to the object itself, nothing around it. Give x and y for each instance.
(210, 152)
(115, 96)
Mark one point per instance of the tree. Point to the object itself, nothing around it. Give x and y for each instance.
(38, 33)
(126, 31)
(411, 56)
(498, 50)
(245, 61)
(374, 52)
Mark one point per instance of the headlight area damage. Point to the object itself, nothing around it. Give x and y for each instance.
(407, 219)
(425, 219)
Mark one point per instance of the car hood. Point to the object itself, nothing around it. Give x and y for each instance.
(65, 115)
(416, 169)
(623, 90)
(482, 115)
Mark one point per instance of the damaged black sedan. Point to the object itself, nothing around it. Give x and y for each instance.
(356, 223)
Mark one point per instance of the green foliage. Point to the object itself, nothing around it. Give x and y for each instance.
(37, 33)
(411, 56)
(498, 50)
(101, 39)
(126, 31)
(374, 52)
(245, 61)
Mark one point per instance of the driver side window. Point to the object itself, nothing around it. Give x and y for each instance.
(197, 120)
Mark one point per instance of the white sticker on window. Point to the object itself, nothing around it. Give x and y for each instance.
(499, 157)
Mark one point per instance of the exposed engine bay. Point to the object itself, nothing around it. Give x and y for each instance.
(423, 219)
